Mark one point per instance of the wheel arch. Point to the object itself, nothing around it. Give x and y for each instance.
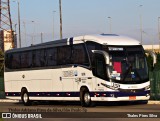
(22, 89)
(83, 87)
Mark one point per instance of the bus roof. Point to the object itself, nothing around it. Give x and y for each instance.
(108, 39)
(105, 39)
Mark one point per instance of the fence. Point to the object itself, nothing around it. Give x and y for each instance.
(155, 85)
(2, 95)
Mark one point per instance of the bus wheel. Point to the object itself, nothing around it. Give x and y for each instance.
(145, 102)
(85, 98)
(25, 98)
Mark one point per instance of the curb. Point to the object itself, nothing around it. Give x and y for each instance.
(16, 101)
(153, 102)
(8, 101)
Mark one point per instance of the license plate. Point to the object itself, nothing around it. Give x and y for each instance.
(132, 97)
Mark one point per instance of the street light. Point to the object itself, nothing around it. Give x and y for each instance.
(15, 39)
(33, 36)
(24, 23)
(159, 31)
(141, 31)
(110, 24)
(53, 23)
(19, 23)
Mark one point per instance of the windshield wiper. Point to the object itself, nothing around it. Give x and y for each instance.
(126, 73)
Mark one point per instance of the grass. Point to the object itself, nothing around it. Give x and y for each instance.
(1, 119)
(2, 94)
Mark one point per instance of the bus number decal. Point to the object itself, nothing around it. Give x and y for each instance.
(70, 73)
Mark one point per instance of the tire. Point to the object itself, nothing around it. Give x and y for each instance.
(25, 97)
(144, 102)
(85, 98)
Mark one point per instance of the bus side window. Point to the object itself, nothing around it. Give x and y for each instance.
(79, 55)
(42, 58)
(29, 59)
(8, 61)
(16, 61)
(33, 59)
(51, 57)
(64, 55)
(92, 46)
(36, 55)
(24, 60)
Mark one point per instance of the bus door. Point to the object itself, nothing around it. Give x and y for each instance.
(99, 66)
(99, 70)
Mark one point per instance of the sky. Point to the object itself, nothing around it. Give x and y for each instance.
(83, 17)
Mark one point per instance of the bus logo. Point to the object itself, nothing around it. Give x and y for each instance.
(6, 115)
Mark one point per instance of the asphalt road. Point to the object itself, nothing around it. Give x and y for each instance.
(67, 111)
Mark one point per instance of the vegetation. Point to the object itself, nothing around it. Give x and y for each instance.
(150, 63)
(1, 119)
(1, 63)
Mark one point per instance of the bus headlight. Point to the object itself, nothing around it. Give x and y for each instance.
(147, 87)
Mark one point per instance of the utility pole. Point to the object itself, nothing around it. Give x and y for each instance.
(6, 23)
(60, 12)
(19, 24)
(5, 26)
(25, 33)
(141, 30)
(159, 31)
(110, 25)
(53, 24)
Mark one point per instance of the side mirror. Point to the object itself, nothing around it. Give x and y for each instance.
(105, 54)
(154, 56)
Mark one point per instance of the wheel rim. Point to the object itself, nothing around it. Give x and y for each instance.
(87, 98)
(25, 97)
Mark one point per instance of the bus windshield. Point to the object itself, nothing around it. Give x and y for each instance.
(128, 64)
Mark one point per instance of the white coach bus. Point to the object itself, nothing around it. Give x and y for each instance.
(89, 68)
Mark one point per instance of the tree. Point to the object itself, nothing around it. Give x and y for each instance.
(157, 65)
(150, 63)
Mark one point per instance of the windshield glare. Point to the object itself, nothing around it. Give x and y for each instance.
(128, 64)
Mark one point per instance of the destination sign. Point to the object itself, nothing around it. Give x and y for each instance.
(115, 49)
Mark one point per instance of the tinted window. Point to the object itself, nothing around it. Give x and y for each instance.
(99, 66)
(92, 46)
(36, 58)
(51, 55)
(64, 55)
(79, 55)
(8, 60)
(42, 57)
(15, 61)
(24, 60)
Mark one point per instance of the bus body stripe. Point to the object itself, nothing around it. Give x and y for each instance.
(77, 94)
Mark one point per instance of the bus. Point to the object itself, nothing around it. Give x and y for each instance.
(90, 68)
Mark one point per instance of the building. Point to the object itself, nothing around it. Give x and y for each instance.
(6, 41)
(155, 48)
